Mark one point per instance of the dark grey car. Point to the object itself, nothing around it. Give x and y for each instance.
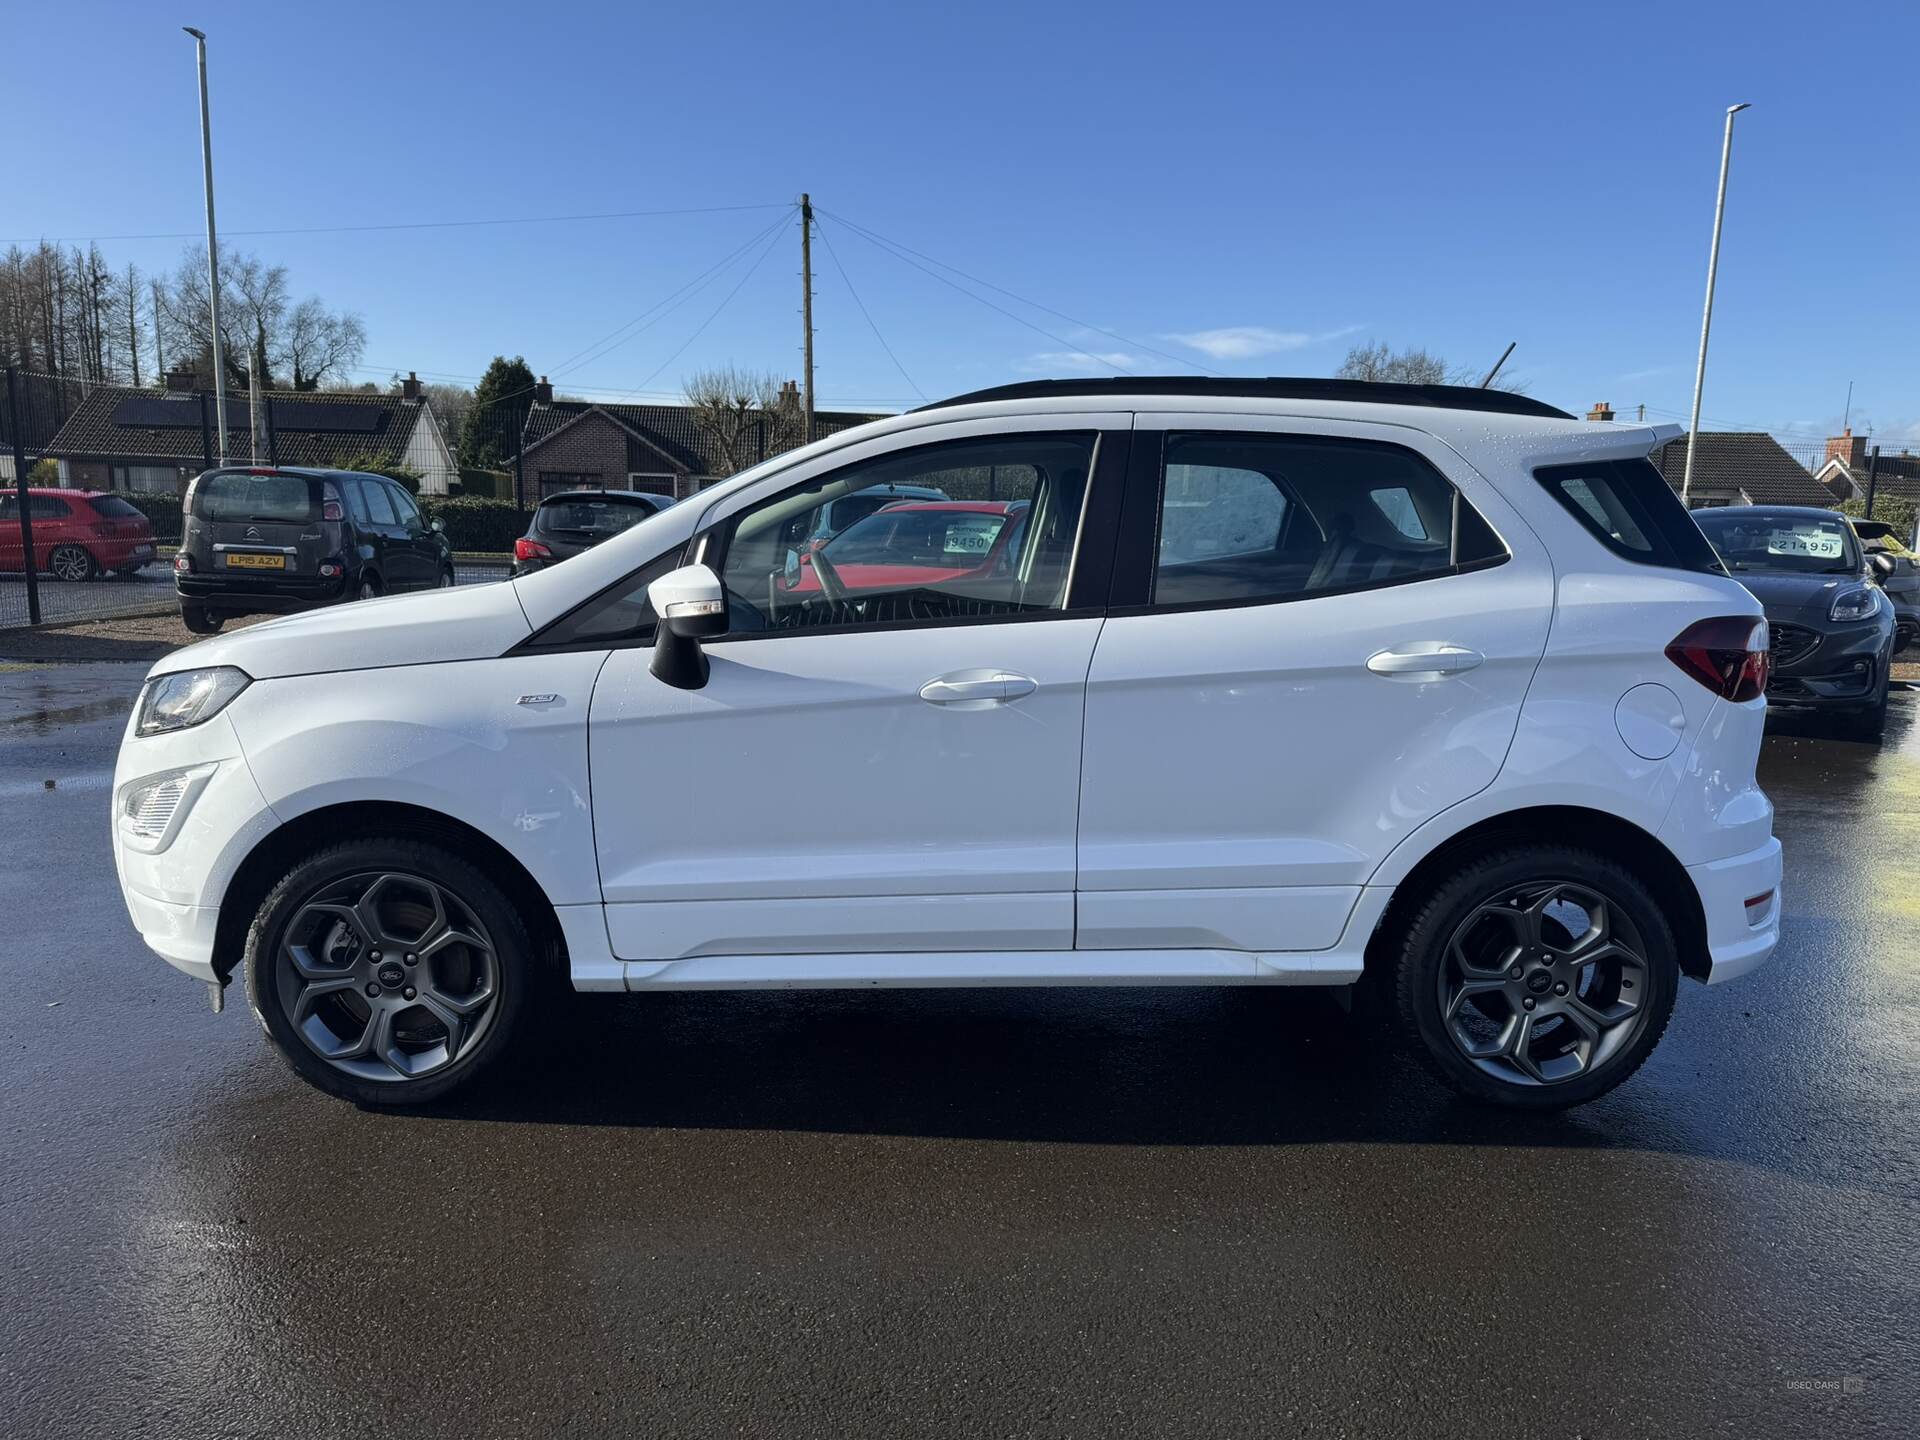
(257, 539)
(1832, 626)
(574, 520)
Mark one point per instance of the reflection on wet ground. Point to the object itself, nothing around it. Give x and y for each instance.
(1148, 1212)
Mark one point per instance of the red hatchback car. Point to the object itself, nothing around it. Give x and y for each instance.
(915, 542)
(77, 534)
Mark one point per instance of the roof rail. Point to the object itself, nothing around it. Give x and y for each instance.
(1272, 387)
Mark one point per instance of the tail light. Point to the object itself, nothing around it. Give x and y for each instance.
(525, 549)
(182, 563)
(1728, 655)
(330, 505)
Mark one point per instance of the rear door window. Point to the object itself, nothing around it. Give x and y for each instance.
(236, 495)
(1247, 518)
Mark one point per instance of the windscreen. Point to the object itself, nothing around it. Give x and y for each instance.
(236, 495)
(1781, 542)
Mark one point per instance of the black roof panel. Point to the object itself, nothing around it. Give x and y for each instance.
(1272, 387)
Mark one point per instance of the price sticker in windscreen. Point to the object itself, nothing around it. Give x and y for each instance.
(1813, 544)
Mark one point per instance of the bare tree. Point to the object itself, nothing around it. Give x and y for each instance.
(321, 344)
(746, 413)
(1375, 361)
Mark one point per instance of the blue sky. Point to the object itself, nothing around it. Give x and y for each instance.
(1248, 187)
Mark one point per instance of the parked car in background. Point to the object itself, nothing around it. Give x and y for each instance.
(565, 524)
(1899, 570)
(911, 543)
(1830, 624)
(77, 534)
(281, 539)
(837, 515)
(1436, 691)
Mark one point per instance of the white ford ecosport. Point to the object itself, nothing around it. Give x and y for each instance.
(1218, 682)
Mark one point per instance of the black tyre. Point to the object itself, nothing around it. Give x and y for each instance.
(1536, 977)
(369, 587)
(388, 972)
(200, 620)
(72, 562)
(447, 581)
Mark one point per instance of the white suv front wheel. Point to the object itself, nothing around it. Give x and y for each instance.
(388, 971)
(1537, 977)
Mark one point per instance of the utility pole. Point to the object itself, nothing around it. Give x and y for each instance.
(806, 309)
(213, 247)
(1873, 477)
(1706, 319)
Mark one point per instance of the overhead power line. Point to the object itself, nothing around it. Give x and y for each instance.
(835, 256)
(409, 224)
(876, 237)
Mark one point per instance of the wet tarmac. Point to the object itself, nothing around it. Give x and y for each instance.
(947, 1213)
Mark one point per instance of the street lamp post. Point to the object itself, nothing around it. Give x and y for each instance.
(213, 249)
(1706, 320)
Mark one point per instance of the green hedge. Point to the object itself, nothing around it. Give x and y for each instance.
(475, 522)
(1896, 510)
(162, 510)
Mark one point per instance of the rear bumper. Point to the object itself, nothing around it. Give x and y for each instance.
(120, 554)
(223, 592)
(1739, 939)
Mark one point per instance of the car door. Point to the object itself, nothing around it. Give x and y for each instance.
(414, 546)
(1321, 636)
(11, 552)
(894, 769)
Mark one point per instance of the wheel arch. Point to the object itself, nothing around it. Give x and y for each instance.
(1621, 841)
(281, 849)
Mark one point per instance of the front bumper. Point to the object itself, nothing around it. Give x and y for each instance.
(1740, 937)
(173, 890)
(1834, 669)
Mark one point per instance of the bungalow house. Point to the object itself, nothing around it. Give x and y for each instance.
(120, 438)
(1845, 472)
(585, 444)
(1738, 467)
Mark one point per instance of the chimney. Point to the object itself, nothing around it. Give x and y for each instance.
(789, 392)
(410, 387)
(1848, 448)
(1603, 412)
(543, 392)
(181, 379)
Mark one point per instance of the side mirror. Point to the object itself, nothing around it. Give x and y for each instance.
(1882, 566)
(439, 525)
(692, 606)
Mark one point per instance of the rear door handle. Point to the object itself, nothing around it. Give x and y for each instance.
(977, 687)
(1432, 660)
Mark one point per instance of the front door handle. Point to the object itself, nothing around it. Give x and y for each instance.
(1429, 659)
(977, 688)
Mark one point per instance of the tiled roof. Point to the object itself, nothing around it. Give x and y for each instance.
(656, 430)
(1739, 462)
(121, 423)
(1897, 475)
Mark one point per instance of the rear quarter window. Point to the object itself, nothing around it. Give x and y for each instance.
(112, 507)
(1628, 507)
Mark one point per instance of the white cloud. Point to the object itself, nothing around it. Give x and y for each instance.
(1241, 342)
(1248, 342)
(1048, 362)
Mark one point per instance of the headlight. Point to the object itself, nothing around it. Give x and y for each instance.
(1856, 604)
(187, 697)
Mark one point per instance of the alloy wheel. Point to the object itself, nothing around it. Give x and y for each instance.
(70, 562)
(1544, 983)
(387, 976)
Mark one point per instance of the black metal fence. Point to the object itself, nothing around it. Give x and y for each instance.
(57, 433)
